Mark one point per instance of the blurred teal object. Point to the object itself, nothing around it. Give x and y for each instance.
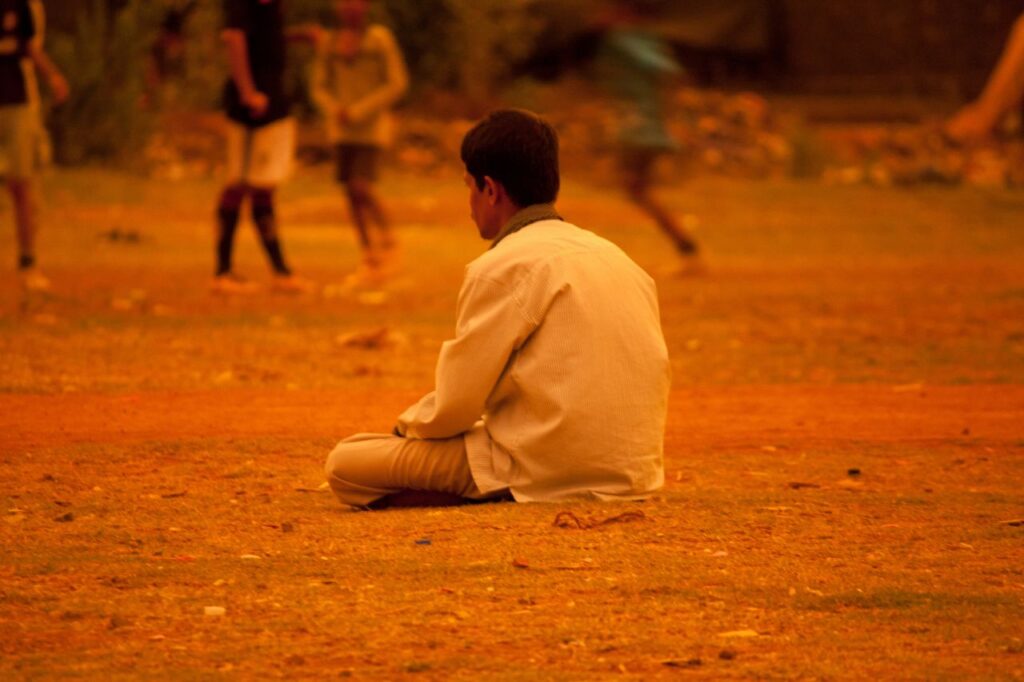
(633, 64)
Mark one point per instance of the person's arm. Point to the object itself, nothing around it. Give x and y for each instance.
(49, 71)
(490, 329)
(395, 84)
(320, 80)
(238, 64)
(38, 21)
(304, 33)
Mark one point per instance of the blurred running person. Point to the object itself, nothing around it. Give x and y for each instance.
(261, 137)
(19, 122)
(634, 64)
(359, 74)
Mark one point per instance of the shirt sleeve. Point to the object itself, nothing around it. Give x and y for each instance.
(490, 328)
(236, 14)
(396, 80)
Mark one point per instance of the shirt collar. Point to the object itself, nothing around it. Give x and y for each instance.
(526, 216)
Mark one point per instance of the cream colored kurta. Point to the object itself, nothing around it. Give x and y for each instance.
(365, 87)
(558, 374)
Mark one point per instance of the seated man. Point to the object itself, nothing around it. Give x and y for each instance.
(556, 384)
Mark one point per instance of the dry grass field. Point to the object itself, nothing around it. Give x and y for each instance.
(844, 453)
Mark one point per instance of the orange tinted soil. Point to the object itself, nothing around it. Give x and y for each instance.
(844, 451)
(800, 416)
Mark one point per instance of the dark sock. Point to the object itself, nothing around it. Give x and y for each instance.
(266, 225)
(26, 262)
(228, 209)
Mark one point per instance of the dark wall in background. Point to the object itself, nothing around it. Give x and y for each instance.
(915, 47)
(929, 47)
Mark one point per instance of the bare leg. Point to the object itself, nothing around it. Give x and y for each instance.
(25, 219)
(359, 209)
(373, 212)
(387, 238)
(1002, 92)
(638, 188)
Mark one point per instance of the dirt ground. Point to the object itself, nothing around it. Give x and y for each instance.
(843, 454)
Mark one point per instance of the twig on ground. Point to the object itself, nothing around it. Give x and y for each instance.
(566, 519)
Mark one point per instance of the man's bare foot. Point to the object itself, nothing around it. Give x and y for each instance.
(292, 284)
(971, 125)
(230, 284)
(367, 276)
(33, 280)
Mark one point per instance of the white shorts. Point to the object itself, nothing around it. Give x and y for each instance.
(261, 157)
(18, 140)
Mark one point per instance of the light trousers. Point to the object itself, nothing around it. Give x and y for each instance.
(368, 466)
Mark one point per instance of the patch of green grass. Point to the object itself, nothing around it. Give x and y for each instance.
(898, 599)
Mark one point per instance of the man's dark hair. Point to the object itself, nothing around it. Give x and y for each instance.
(518, 149)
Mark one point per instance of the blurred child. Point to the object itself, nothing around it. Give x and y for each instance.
(261, 137)
(20, 121)
(168, 54)
(634, 65)
(43, 150)
(359, 74)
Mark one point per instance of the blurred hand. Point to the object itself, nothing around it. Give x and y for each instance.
(257, 103)
(59, 88)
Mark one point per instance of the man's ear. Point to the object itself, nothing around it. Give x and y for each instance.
(493, 190)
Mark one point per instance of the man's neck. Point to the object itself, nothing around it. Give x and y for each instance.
(527, 215)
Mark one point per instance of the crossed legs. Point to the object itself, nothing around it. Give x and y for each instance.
(379, 470)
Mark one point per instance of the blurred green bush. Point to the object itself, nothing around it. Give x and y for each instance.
(103, 55)
(466, 47)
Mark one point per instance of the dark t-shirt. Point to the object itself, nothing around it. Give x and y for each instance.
(16, 30)
(262, 22)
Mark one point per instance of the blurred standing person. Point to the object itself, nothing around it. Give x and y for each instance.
(634, 64)
(261, 137)
(19, 123)
(43, 149)
(359, 74)
(167, 55)
(1003, 91)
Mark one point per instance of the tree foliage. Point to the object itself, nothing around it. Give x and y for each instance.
(468, 47)
(103, 56)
